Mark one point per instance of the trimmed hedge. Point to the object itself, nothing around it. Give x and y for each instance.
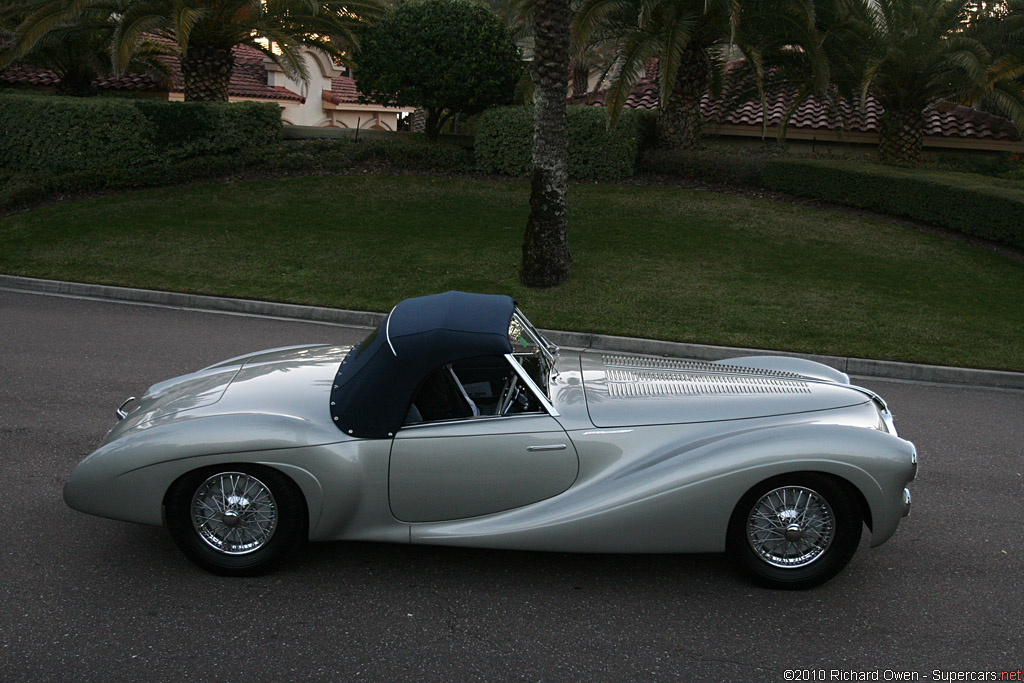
(183, 130)
(504, 141)
(330, 155)
(46, 133)
(981, 206)
(740, 166)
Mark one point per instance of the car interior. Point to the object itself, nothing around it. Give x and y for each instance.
(471, 387)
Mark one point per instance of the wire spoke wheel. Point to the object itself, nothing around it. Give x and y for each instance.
(795, 531)
(791, 526)
(234, 513)
(236, 520)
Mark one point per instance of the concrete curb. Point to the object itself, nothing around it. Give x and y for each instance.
(580, 340)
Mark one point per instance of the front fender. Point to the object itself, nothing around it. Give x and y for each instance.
(127, 477)
(678, 494)
(877, 464)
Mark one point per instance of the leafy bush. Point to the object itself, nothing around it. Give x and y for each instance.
(740, 166)
(997, 165)
(443, 55)
(64, 134)
(45, 133)
(1015, 173)
(182, 130)
(421, 156)
(504, 142)
(976, 205)
(332, 155)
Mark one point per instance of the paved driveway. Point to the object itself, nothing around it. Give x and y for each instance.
(83, 598)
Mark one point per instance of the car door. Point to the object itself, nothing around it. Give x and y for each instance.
(477, 466)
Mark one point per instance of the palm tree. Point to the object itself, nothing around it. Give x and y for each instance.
(1000, 27)
(546, 259)
(204, 32)
(805, 50)
(77, 51)
(692, 41)
(918, 54)
(680, 33)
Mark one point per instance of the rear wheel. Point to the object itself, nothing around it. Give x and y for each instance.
(239, 520)
(795, 531)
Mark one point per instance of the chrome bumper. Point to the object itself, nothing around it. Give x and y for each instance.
(906, 502)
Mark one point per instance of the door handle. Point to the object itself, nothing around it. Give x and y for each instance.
(547, 447)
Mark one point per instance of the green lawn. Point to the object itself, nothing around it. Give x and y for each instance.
(648, 261)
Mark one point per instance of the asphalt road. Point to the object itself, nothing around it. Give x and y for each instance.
(83, 598)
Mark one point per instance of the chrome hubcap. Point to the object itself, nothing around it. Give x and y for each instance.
(791, 526)
(234, 513)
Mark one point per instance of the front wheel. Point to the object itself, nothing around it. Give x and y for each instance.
(795, 531)
(239, 520)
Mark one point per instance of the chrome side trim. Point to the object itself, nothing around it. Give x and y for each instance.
(121, 412)
(531, 384)
(470, 420)
(596, 432)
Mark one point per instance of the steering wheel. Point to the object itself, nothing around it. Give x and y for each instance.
(508, 395)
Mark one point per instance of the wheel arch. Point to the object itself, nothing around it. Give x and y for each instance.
(855, 491)
(305, 481)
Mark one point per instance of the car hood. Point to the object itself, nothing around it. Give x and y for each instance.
(293, 381)
(623, 390)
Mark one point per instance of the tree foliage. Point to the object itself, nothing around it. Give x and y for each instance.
(204, 31)
(446, 56)
(76, 48)
(692, 41)
(917, 54)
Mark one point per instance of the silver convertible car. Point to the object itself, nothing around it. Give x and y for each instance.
(457, 423)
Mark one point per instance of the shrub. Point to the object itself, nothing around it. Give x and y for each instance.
(306, 156)
(976, 205)
(184, 130)
(741, 166)
(421, 156)
(966, 162)
(64, 134)
(45, 133)
(504, 142)
(443, 55)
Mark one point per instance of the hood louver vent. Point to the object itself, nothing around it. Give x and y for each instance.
(671, 377)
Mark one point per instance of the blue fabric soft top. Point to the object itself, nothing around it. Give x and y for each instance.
(375, 384)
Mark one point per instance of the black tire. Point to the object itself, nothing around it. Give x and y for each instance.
(265, 522)
(758, 545)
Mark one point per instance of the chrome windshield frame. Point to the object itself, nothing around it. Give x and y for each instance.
(547, 349)
(531, 385)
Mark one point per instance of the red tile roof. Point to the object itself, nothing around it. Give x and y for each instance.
(248, 78)
(344, 90)
(947, 120)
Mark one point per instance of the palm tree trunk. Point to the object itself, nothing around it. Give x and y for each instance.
(77, 83)
(901, 135)
(206, 71)
(546, 258)
(679, 119)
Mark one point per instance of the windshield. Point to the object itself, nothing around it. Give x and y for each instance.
(531, 349)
